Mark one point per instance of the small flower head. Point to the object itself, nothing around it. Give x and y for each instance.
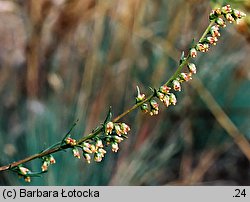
(88, 150)
(193, 52)
(140, 96)
(192, 68)
(172, 99)
(215, 13)
(185, 76)
(226, 9)
(109, 127)
(118, 130)
(118, 139)
(52, 160)
(202, 47)
(176, 85)
(98, 157)
(214, 30)
(76, 153)
(166, 101)
(154, 107)
(99, 144)
(220, 22)
(154, 112)
(87, 157)
(154, 104)
(27, 179)
(114, 146)
(45, 166)
(23, 170)
(229, 18)
(102, 152)
(87, 147)
(212, 40)
(238, 14)
(70, 141)
(160, 95)
(144, 107)
(164, 89)
(206, 47)
(125, 128)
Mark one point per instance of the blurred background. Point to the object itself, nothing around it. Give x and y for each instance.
(62, 60)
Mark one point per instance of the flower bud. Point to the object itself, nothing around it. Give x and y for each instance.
(52, 160)
(230, 18)
(164, 89)
(202, 47)
(27, 179)
(45, 166)
(99, 143)
(160, 95)
(76, 153)
(220, 22)
(214, 30)
(125, 128)
(87, 157)
(114, 146)
(144, 107)
(212, 40)
(118, 139)
(154, 108)
(70, 141)
(193, 52)
(226, 9)
(98, 157)
(185, 76)
(88, 150)
(206, 47)
(109, 127)
(238, 14)
(102, 151)
(154, 104)
(154, 112)
(24, 170)
(118, 130)
(172, 99)
(140, 97)
(176, 85)
(214, 14)
(192, 68)
(93, 148)
(166, 101)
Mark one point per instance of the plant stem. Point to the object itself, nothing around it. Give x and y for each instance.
(133, 108)
(58, 147)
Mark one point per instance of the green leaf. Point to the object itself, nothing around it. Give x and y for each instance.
(109, 116)
(68, 133)
(182, 57)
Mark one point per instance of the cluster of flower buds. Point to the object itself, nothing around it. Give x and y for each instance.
(114, 134)
(70, 141)
(94, 147)
(210, 38)
(231, 15)
(117, 128)
(47, 161)
(165, 96)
